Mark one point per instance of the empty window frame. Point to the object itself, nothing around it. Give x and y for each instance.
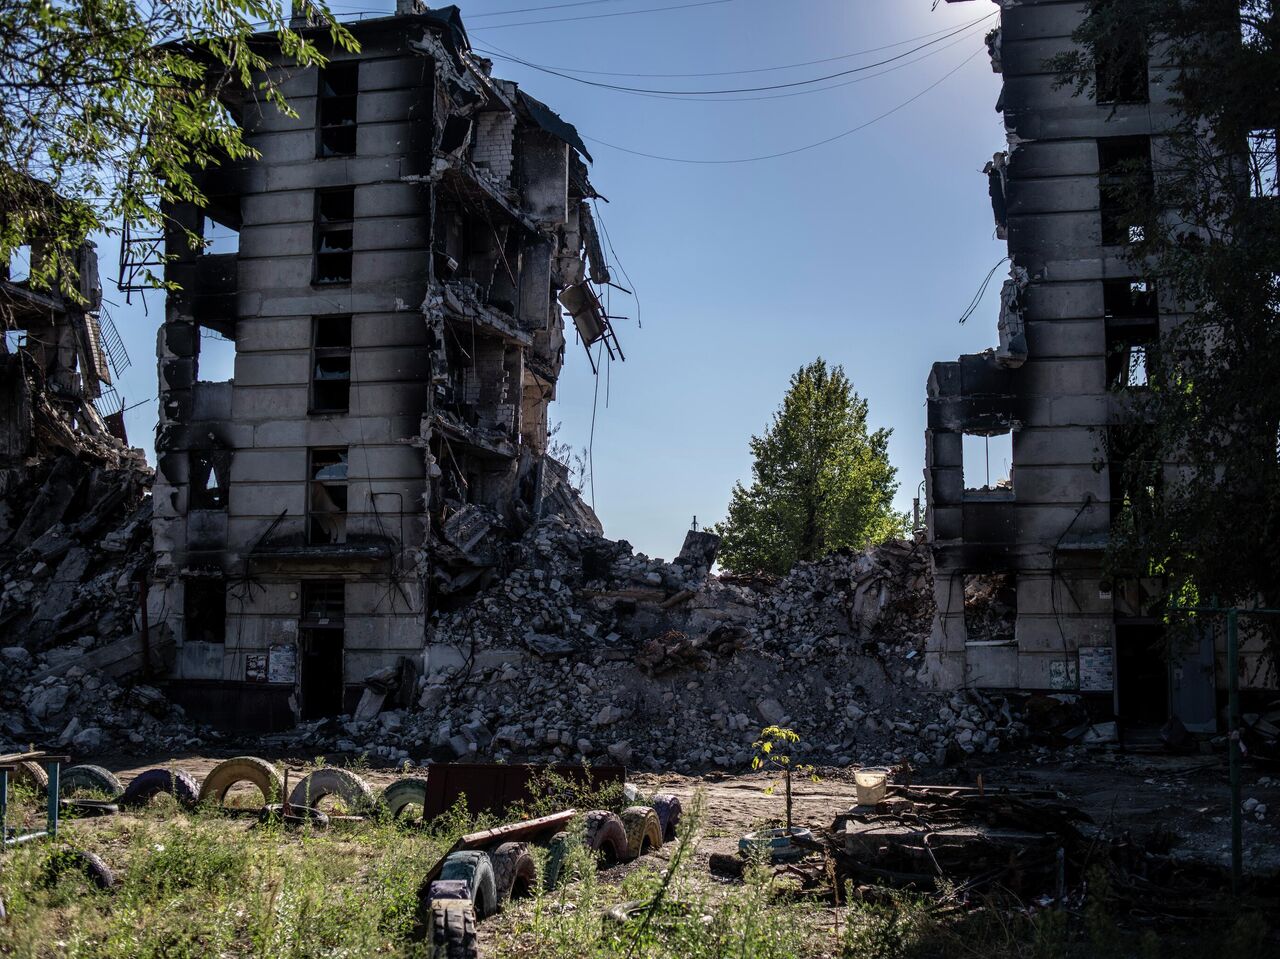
(987, 463)
(204, 604)
(208, 478)
(1122, 71)
(1135, 477)
(323, 602)
(335, 235)
(990, 608)
(336, 102)
(1132, 331)
(1126, 188)
(330, 364)
(327, 497)
(1262, 163)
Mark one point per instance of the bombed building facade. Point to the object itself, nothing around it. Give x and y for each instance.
(1073, 327)
(403, 254)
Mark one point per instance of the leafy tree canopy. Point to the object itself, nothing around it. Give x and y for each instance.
(821, 481)
(109, 107)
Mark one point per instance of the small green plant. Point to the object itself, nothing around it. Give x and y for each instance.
(769, 755)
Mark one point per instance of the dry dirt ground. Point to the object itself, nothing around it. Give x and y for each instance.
(1182, 803)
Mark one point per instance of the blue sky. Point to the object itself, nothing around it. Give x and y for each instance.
(864, 251)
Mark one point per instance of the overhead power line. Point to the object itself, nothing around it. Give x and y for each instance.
(549, 6)
(774, 86)
(603, 16)
(729, 73)
(800, 149)
(862, 78)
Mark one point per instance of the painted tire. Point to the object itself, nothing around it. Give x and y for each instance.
(668, 809)
(402, 793)
(239, 770)
(474, 867)
(30, 774)
(3, 915)
(554, 865)
(606, 835)
(297, 816)
(331, 781)
(453, 931)
(644, 832)
(78, 860)
(89, 778)
(147, 785)
(514, 872)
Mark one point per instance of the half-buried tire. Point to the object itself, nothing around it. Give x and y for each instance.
(514, 872)
(147, 785)
(242, 769)
(453, 930)
(644, 832)
(606, 835)
(92, 779)
(32, 775)
(332, 781)
(404, 793)
(668, 809)
(63, 861)
(553, 867)
(474, 868)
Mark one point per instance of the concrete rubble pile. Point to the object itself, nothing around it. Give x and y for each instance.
(75, 547)
(582, 649)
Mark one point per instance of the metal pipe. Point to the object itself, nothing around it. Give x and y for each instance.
(1233, 748)
(19, 840)
(52, 793)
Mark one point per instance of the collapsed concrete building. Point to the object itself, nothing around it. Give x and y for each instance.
(403, 253)
(1074, 325)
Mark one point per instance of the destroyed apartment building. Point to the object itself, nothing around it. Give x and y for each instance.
(1022, 594)
(393, 270)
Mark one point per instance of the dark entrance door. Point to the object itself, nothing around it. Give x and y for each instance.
(321, 637)
(321, 673)
(1142, 674)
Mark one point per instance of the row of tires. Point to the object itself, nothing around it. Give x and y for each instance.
(475, 884)
(355, 794)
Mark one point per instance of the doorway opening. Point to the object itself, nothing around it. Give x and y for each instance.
(322, 647)
(1142, 674)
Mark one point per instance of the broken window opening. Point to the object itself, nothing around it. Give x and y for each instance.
(331, 364)
(204, 603)
(15, 340)
(219, 238)
(987, 463)
(1135, 481)
(323, 602)
(209, 479)
(335, 235)
(18, 269)
(990, 608)
(336, 106)
(1262, 164)
(1132, 331)
(1126, 188)
(215, 359)
(327, 497)
(1122, 71)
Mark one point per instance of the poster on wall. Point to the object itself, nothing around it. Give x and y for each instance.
(255, 667)
(1062, 674)
(1097, 672)
(282, 666)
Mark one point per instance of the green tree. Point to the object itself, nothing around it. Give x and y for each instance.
(1200, 476)
(109, 107)
(821, 481)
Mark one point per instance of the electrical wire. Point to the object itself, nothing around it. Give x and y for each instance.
(901, 65)
(548, 6)
(982, 291)
(728, 73)
(774, 86)
(800, 149)
(604, 16)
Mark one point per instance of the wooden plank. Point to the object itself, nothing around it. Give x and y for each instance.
(488, 837)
